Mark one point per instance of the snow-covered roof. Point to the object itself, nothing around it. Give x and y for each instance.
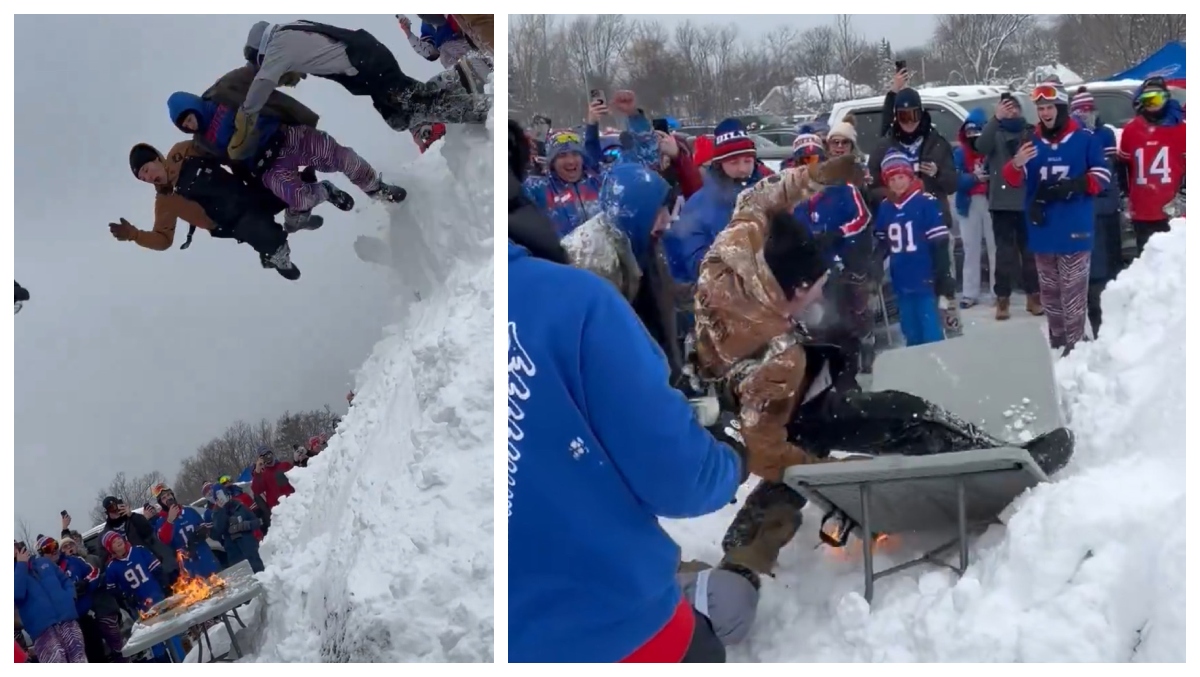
(810, 89)
(1054, 71)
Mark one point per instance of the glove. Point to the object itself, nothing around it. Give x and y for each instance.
(123, 231)
(944, 286)
(80, 588)
(245, 136)
(726, 430)
(1037, 213)
(1064, 189)
(202, 533)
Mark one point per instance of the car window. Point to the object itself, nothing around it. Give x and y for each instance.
(1114, 108)
(945, 122)
(866, 128)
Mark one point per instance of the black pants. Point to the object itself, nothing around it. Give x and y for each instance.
(260, 231)
(93, 642)
(706, 647)
(1014, 262)
(882, 423)
(1142, 230)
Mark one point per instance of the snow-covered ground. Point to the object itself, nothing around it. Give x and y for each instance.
(384, 553)
(1088, 568)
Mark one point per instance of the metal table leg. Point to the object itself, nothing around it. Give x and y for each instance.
(233, 643)
(864, 494)
(962, 526)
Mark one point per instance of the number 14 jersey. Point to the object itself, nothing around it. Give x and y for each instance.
(1154, 155)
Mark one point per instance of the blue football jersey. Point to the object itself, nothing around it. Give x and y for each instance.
(908, 231)
(134, 577)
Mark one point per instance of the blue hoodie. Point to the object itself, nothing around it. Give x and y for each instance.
(45, 596)
(703, 217)
(599, 447)
(631, 198)
(216, 123)
(962, 155)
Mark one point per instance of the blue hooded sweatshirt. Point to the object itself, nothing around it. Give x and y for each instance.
(631, 197)
(567, 204)
(216, 123)
(599, 447)
(44, 594)
(962, 157)
(703, 217)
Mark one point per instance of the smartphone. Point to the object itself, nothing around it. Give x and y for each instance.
(660, 125)
(63, 513)
(597, 96)
(901, 65)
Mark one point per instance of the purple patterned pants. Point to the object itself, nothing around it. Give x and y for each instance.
(60, 643)
(110, 632)
(310, 147)
(1063, 279)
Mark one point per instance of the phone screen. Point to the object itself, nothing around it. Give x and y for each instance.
(901, 65)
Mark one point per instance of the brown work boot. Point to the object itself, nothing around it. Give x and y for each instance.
(693, 566)
(1033, 304)
(768, 520)
(1002, 308)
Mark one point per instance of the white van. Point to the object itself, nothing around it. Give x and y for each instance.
(948, 108)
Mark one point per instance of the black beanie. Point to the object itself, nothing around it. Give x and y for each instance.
(140, 154)
(792, 254)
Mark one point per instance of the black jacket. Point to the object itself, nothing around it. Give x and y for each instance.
(936, 149)
(137, 530)
(224, 197)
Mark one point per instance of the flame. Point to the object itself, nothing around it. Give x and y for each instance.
(188, 590)
(883, 543)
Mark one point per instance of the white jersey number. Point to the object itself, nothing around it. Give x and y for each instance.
(902, 238)
(1159, 167)
(136, 576)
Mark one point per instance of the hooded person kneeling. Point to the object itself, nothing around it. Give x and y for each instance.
(196, 188)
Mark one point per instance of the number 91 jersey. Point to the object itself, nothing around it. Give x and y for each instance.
(1154, 155)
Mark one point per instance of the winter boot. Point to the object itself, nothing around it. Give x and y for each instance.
(338, 197)
(388, 193)
(281, 261)
(472, 71)
(766, 522)
(297, 221)
(1053, 450)
(1002, 312)
(448, 98)
(1033, 304)
(693, 566)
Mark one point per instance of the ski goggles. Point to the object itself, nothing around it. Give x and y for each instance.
(224, 479)
(1154, 98)
(612, 153)
(908, 116)
(560, 138)
(1048, 93)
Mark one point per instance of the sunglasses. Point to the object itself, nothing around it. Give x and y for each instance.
(564, 138)
(838, 142)
(1046, 93)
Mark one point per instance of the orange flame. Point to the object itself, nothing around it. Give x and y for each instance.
(188, 590)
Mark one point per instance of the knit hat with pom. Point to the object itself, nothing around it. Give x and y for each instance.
(732, 141)
(844, 130)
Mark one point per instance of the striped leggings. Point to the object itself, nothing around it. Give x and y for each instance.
(1063, 279)
(60, 643)
(310, 147)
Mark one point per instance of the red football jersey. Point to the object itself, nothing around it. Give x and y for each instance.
(1154, 155)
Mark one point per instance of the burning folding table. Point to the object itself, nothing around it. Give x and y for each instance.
(196, 602)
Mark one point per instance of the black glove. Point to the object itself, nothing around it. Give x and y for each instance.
(1064, 189)
(944, 286)
(202, 533)
(1037, 213)
(726, 431)
(80, 589)
(22, 293)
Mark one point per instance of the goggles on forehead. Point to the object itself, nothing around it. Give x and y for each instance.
(1154, 97)
(612, 153)
(1046, 93)
(564, 137)
(908, 115)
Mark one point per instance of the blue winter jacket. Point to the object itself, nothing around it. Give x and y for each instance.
(79, 569)
(631, 197)
(216, 123)
(599, 447)
(567, 204)
(238, 546)
(645, 146)
(966, 175)
(703, 217)
(44, 595)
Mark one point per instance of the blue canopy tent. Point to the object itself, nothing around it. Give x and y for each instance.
(1168, 63)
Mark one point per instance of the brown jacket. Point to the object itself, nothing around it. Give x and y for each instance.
(743, 329)
(231, 89)
(479, 30)
(169, 207)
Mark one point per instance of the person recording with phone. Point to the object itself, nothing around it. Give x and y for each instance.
(137, 530)
(998, 143)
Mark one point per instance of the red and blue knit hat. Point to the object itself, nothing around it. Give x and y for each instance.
(808, 145)
(895, 162)
(109, 538)
(731, 141)
(1083, 101)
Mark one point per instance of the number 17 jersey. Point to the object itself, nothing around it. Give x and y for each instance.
(1154, 155)
(908, 231)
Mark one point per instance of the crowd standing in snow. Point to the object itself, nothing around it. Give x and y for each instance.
(76, 604)
(626, 306)
(272, 146)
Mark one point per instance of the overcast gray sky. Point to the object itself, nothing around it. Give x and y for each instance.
(903, 30)
(127, 359)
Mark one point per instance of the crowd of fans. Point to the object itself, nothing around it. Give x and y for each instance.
(78, 595)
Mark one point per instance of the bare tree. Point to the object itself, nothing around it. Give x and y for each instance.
(977, 43)
(133, 490)
(25, 535)
(817, 58)
(1099, 45)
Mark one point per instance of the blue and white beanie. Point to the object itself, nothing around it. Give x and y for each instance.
(563, 141)
(895, 162)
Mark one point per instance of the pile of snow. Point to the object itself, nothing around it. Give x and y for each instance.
(384, 553)
(813, 89)
(1088, 568)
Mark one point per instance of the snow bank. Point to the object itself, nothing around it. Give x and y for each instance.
(1088, 568)
(384, 553)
